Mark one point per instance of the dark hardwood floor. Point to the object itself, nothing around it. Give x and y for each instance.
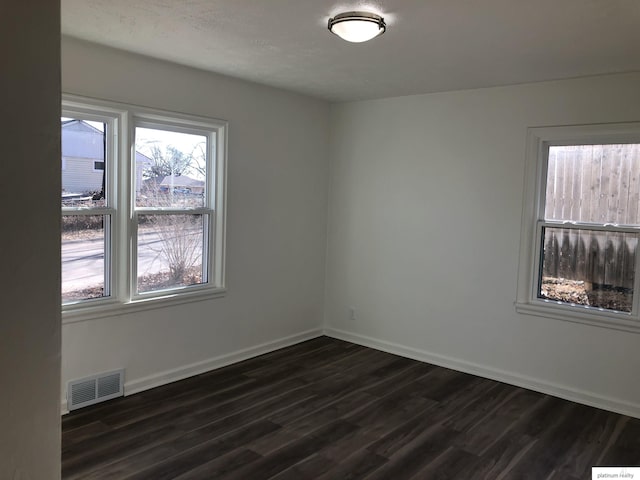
(327, 409)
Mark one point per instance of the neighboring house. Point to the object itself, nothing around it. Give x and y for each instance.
(142, 163)
(181, 184)
(83, 158)
(83, 153)
(173, 183)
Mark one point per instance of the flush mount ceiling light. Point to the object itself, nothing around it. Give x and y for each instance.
(357, 26)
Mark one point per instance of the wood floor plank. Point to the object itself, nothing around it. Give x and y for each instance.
(85, 459)
(547, 414)
(396, 380)
(484, 405)
(187, 417)
(213, 422)
(403, 434)
(443, 382)
(626, 450)
(84, 432)
(220, 466)
(164, 455)
(382, 415)
(185, 400)
(357, 465)
(481, 436)
(294, 453)
(202, 451)
(273, 441)
(329, 409)
(443, 413)
(554, 445)
(555, 475)
(451, 463)
(310, 467)
(498, 461)
(336, 409)
(416, 455)
(584, 454)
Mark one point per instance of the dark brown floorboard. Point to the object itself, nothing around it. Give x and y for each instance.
(328, 409)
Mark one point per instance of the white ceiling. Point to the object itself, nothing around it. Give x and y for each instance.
(429, 46)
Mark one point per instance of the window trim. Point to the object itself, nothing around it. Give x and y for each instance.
(121, 192)
(527, 302)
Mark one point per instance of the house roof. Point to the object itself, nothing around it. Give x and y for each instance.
(81, 140)
(142, 158)
(79, 125)
(181, 181)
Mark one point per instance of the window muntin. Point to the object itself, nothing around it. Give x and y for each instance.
(128, 214)
(578, 257)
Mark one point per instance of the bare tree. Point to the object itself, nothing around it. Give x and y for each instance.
(180, 235)
(198, 156)
(169, 161)
(180, 244)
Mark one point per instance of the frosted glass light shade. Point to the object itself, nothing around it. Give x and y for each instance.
(357, 27)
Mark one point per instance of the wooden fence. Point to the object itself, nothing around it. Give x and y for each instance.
(601, 259)
(593, 184)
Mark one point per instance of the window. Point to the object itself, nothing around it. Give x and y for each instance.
(88, 206)
(172, 206)
(581, 225)
(142, 208)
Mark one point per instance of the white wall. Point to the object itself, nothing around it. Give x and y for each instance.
(276, 230)
(30, 241)
(425, 213)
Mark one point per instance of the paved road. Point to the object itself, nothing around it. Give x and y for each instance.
(83, 260)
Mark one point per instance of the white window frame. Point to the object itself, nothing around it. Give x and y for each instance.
(113, 119)
(539, 139)
(120, 188)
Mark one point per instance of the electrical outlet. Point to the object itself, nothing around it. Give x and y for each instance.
(352, 313)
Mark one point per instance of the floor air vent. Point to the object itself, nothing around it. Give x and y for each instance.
(95, 389)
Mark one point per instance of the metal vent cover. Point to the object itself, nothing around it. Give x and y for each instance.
(97, 388)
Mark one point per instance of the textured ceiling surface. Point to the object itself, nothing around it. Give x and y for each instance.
(429, 46)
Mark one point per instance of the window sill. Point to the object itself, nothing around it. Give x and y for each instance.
(580, 314)
(112, 308)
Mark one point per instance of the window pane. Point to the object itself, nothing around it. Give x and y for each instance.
(83, 162)
(170, 168)
(170, 251)
(83, 257)
(585, 267)
(594, 184)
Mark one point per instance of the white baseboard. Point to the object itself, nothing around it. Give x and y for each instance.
(180, 373)
(542, 386)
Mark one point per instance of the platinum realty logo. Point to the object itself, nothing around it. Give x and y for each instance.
(622, 473)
